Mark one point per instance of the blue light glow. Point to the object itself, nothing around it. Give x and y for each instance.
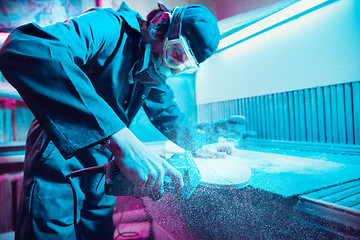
(271, 21)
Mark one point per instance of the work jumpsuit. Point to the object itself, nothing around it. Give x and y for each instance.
(74, 77)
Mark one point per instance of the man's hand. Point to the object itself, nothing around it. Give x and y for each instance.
(142, 166)
(215, 150)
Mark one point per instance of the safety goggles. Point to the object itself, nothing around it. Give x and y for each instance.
(178, 56)
(176, 53)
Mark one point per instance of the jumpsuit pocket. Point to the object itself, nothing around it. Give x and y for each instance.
(54, 201)
(52, 197)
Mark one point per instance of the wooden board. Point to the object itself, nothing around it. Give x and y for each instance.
(224, 173)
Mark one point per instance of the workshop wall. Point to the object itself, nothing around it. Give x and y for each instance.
(228, 8)
(296, 82)
(317, 49)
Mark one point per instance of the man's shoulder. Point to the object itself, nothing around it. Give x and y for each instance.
(109, 11)
(130, 16)
(125, 12)
(124, 8)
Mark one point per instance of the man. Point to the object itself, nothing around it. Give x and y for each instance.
(84, 80)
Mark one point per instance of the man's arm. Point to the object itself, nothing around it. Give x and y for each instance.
(44, 65)
(141, 165)
(166, 116)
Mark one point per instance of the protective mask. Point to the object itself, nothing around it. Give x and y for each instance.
(177, 54)
(175, 58)
(149, 74)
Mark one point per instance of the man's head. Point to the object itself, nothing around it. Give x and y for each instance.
(177, 41)
(200, 27)
(194, 22)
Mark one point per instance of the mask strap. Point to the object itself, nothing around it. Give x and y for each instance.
(146, 53)
(176, 23)
(146, 57)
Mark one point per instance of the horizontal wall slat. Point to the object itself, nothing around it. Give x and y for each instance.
(328, 120)
(334, 116)
(356, 109)
(349, 114)
(263, 117)
(292, 116)
(286, 116)
(308, 115)
(341, 113)
(302, 116)
(321, 114)
(314, 115)
(327, 114)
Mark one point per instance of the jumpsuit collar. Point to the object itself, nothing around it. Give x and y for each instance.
(130, 16)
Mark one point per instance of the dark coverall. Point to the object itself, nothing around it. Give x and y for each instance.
(73, 76)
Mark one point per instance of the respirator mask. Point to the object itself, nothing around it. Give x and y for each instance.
(176, 56)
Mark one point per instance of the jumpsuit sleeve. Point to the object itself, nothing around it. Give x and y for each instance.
(166, 116)
(44, 65)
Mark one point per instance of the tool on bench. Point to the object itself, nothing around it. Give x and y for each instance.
(118, 185)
